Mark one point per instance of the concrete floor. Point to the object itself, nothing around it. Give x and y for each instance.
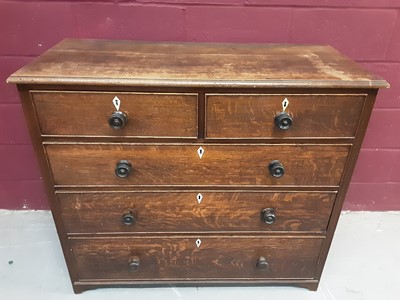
(364, 263)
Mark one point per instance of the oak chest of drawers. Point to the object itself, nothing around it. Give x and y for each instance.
(195, 164)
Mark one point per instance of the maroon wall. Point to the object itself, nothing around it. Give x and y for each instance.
(366, 30)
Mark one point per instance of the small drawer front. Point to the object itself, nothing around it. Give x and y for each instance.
(140, 212)
(254, 116)
(200, 257)
(177, 165)
(141, 114)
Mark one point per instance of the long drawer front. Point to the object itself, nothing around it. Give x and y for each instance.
(168, 164)
(198, 257)
(184, 211)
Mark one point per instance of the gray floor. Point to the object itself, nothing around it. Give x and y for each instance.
(364, 263)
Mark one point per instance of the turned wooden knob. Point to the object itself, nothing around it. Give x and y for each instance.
(262, 264)
(123, 169)
(276, 168)
(268, 215)
(134, 264)
(128, 218)
(283, 121)
(117, 120)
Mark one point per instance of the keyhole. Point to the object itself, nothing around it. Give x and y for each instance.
(117, 103)
(200, 152)
(199, 198)
(198, 243)
(285, 104)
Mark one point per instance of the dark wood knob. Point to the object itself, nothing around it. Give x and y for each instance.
(283, 121)
(128, 218)
(117, 120)
(134, 264)
(268, 215)
(276, 168)
(262, 264)
(123, 169)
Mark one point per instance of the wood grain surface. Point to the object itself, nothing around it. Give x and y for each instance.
(252, 116)
(100, 62)
(101, 212)
(169, 164)
(180, 258)
(87, 113)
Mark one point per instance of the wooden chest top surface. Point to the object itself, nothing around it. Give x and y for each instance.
(99, 62)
